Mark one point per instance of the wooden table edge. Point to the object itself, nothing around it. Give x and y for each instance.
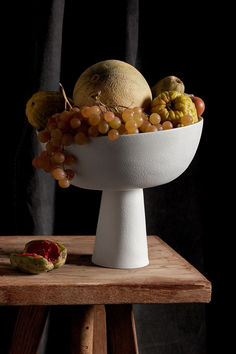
(198, 291)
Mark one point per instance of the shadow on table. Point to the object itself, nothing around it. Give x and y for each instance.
(80, 259)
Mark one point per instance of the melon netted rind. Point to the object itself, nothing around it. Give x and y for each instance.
(42, 105)
(120, 83)
(30, 264)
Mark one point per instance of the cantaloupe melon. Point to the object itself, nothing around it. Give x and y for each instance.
(121, 85)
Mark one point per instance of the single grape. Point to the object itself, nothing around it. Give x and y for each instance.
(167, 125)
(76, 109)
(122, 129)
(58, 157)
(36, 162)
(45, 161)
(58, 173)
(103, 127)
(155, 118)
(134, 131)
(44, 136)
(115, 123)
(138, 119)
(85, 111)
(41, 162)
(131, 125)
(144, 126)
(84, 127)
(94, 119)
(127, 114)
(64, 183)
(80, 138)
(51, 125)
(94, 111)
(151, 128)
(93, 131)
(65, 115)
(55, 142)
(53, 118)
(113, 134)
(50, 148)
(56, 134)
(47, 165)
(67, 139)
(187, 119)
(145, 116)
(44, 155)
(62, 125)
(75, 123)
(109, 116)
(159, 126)
(69, 159)
(138, 110)
(69, 173)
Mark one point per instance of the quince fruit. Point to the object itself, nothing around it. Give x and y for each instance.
(168, 83)
(172, 105)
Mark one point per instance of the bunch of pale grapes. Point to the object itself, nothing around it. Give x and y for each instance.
(76, 125)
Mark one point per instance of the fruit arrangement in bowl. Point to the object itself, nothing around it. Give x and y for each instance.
(118, 135)
(110, 98)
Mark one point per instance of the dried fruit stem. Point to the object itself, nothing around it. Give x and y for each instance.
(97, 98)
(65, 97)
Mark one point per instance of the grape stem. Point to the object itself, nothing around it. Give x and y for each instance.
(97, 98)
(65, 97)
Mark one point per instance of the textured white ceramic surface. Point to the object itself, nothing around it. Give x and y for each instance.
(121, 169)
(135, 161)
(121, 231)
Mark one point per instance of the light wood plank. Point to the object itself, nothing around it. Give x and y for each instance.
(82, 330)
(168, 278)
(99, 330)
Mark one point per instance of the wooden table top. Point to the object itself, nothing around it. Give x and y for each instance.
(168, 278)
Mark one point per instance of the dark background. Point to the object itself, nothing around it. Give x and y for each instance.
(44, 42)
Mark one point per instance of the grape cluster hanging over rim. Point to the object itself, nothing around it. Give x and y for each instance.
(75, 125)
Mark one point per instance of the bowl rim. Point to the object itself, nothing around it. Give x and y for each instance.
(130, 136)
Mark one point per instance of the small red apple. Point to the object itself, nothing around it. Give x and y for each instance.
(199, 104)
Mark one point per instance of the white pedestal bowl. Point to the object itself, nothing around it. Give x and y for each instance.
(122, 169)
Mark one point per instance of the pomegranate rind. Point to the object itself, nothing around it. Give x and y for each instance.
(60, 261)
(30, 264)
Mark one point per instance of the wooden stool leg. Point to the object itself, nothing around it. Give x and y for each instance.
(99, 331)
(82, 330)
(121, 332)
(28, 330)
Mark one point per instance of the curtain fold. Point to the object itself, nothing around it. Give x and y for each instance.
(132, 32)
(35, 190)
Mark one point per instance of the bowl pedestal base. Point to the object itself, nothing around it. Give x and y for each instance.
(121, 238)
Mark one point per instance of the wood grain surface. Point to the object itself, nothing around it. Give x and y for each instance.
(121, 332)
(99, 330)
(28, 330)
(168, 278)
(82, 330)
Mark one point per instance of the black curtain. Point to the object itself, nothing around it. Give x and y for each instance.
(55, 41)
